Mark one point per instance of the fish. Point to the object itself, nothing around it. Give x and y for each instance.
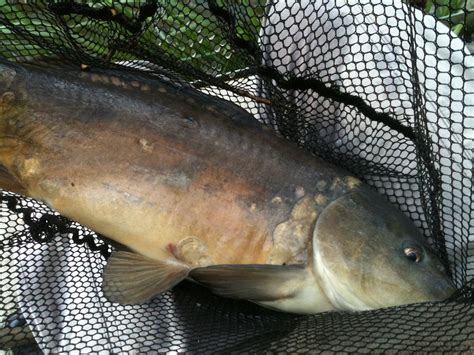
(196, 188)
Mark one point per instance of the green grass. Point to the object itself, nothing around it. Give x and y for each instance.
(183, 30)
(454, 13)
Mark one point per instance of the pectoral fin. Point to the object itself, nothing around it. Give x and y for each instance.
(252, 282)
(130, 278)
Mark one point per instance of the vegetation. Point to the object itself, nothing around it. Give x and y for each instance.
(457, 14)
(182, 30)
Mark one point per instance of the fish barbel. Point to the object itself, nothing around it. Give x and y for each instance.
(196, 188)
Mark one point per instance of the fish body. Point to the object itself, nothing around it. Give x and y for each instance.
(196, 188)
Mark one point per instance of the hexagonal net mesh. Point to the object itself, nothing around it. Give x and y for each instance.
(376, 86)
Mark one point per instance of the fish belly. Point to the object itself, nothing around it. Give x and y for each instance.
(149, 201)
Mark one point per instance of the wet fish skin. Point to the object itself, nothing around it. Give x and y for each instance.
(133, 136)
(195, 186)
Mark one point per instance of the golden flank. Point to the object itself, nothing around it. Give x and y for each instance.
(195, 188)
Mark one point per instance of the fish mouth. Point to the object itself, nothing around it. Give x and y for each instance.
(442, 290)
(439, 291)
(437, 285)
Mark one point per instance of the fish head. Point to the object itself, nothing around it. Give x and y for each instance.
(369, 255)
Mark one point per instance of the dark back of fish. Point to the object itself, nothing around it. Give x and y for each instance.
(143, 160)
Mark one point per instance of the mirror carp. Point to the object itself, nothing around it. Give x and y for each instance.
(197, 189)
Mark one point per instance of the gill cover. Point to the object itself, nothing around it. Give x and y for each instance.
(360, 252)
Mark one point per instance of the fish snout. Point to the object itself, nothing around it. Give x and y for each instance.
(438, 289)
(442, 290)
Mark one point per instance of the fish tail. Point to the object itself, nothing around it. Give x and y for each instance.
(9, 146)
(9, 114)
(9, 182)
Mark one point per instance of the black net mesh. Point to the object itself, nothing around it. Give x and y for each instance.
(379, 87)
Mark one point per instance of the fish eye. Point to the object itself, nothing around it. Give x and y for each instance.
(413, 253)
